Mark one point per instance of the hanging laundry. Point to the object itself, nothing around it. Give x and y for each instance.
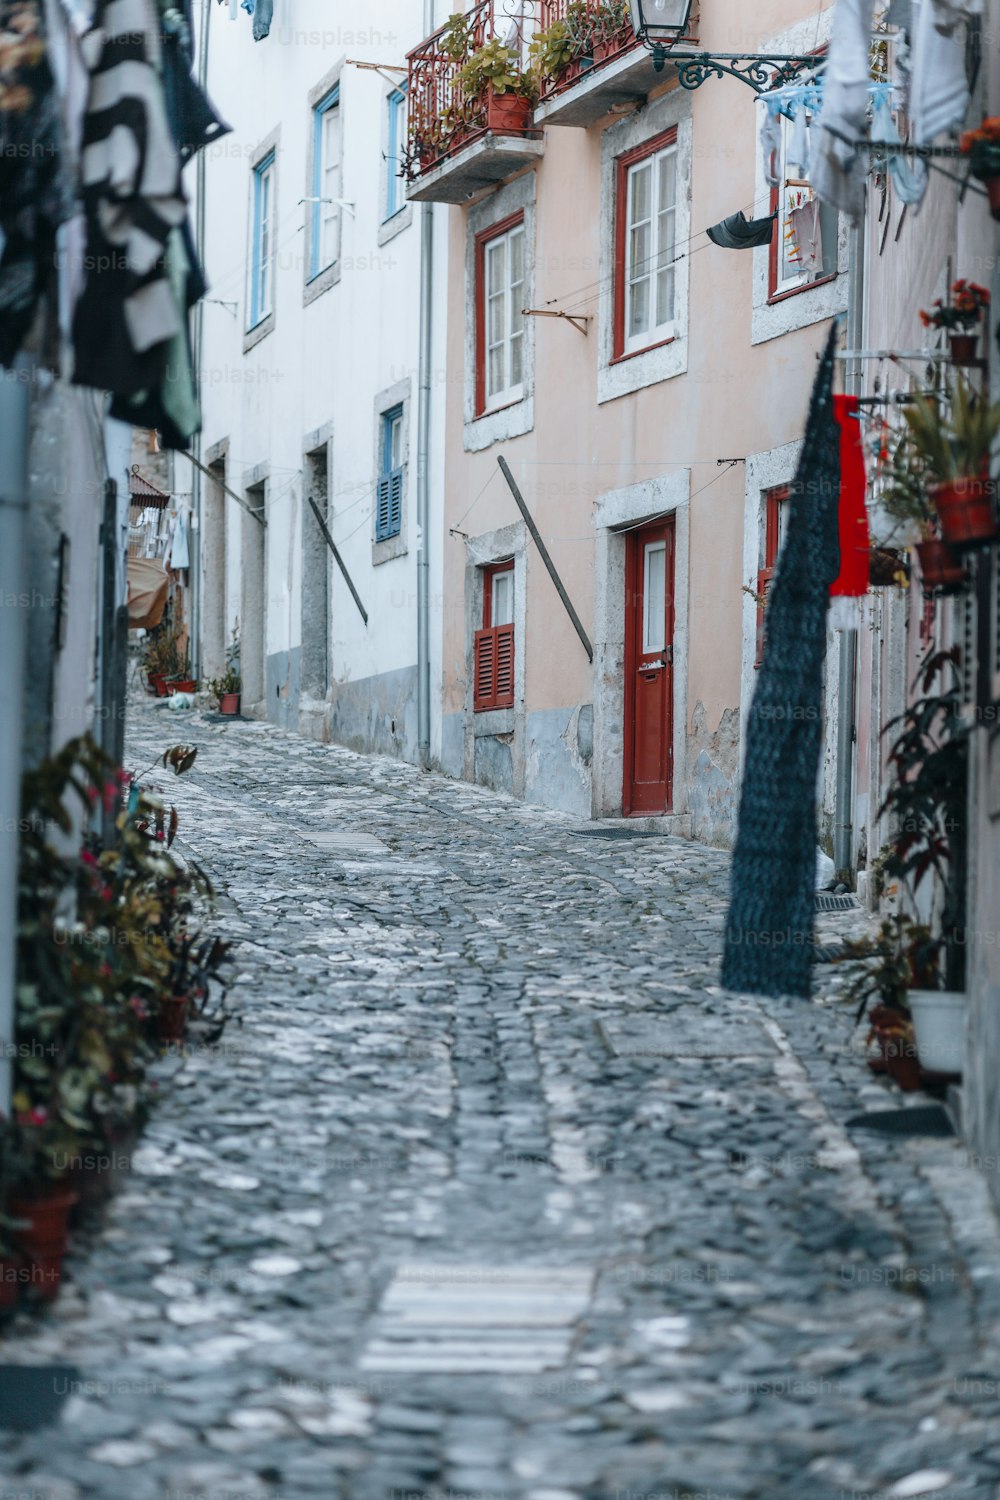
(769, 928)
(740, 233)
(770, 140)
(134, 197)
(838, 169)
(263, 14)
(948, 13)
(180, 556)
(939, 87)
(806, 231)
(855, 543)
(798, 145)
(35, 195)
(908, 176)
(193, 120)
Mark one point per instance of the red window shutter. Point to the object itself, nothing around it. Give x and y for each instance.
(504, 675)
(484, 693)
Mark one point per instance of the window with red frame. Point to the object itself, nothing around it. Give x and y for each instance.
(494, 644)
(499, 268)
(804, 243)
(645, 280)
(775, 517)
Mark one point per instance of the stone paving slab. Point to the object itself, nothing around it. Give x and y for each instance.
(744, 1298)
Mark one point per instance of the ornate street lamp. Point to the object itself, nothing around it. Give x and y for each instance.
(660, 24)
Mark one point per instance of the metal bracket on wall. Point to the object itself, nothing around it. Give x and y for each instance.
(261, 520)
(578, 320)
(339, 560)
(546, 559)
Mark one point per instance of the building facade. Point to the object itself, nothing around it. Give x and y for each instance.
(315, 430)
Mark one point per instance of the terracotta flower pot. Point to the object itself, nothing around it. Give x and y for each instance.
(966, 511)
(508, 113)
(903, 1065)
(171, 1017)
(229, 704)
(159, 685)
(184, 685)
(43, 1242)
(963, 347)
(940, 567)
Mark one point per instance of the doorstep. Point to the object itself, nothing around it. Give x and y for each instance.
(677, 824)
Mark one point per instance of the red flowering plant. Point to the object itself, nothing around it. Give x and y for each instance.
(982, 147)
(95, 928)
(965, 310)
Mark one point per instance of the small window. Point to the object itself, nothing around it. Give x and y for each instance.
(262, 254)
(494, 643)
(394, 196)
(775, 522)
(500, 316)
(324, 236)
(389, 498)
(646, 246)
(804, 244)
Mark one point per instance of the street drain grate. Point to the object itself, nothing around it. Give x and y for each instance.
(921, 1120)
(478, 1319)
(829, 901)
(618, 833)
(33, 1396)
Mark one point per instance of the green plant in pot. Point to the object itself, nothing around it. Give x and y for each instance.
(551, 50)
(952, 437)
(905, 498)
(227, 688)
(982, 147)
(927, 801)
(901, 950)
(498, 91)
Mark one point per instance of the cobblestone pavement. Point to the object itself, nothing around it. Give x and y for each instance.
(495, 1193)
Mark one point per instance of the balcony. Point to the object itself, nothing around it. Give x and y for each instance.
(590, 61)
(471, 118)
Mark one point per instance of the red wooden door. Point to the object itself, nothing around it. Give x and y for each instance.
(649, 671)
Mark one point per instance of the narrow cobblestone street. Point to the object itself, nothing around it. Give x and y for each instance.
(491, 1191)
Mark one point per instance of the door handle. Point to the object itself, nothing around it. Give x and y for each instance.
(651, 669)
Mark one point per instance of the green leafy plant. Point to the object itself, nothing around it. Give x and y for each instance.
(953, 436)
(901, 957)
(969, 303)
(231, 680)
(928, 763)
(551, 50)
(455, 41)
(904, 495)
(163, 655)
(496, 66)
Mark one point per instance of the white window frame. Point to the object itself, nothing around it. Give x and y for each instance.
(653, 332)
(262, 257)
(325, 219)
(396, 119)
(512, 294)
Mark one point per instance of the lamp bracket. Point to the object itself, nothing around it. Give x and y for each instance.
(761, 71)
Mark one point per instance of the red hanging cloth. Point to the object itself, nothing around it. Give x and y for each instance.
(855, 541)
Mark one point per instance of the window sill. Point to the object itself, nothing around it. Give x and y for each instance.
(401, 219)
(797, 291)
(259, 331)
(620, 359)
(487, 722)
(392, 547)
(500, 425)
(320, 283)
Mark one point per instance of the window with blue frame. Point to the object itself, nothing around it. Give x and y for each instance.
(262, 249)
(324, 228)
(389, 499)
(396, 141)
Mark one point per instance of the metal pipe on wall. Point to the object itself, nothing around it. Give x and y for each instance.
(423, 462)
(15, 410)
(843, 817)
(197, 487)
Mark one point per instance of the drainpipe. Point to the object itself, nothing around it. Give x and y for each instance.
(843, 824)
(199, 334)
(15, 406)
(423, 463)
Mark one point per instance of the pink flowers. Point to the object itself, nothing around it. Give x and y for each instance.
(88, 859)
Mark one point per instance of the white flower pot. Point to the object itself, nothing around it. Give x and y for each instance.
(939, 1024)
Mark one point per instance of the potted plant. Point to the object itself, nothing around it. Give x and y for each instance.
(927, 799)
(613, 23)
(959, 317)
(500, 93)
(881, 987)
(905, 499)
(551, 51)
(229, 686)
(955, 450)
(982, 147)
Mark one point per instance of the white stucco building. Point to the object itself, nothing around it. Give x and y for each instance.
(311, 370)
